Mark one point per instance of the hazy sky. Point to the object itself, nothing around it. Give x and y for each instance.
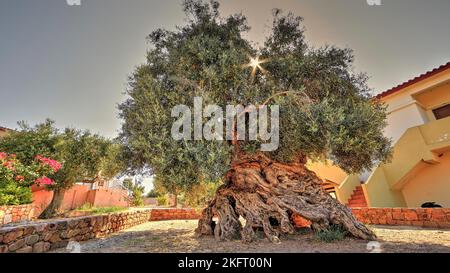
(70, 63)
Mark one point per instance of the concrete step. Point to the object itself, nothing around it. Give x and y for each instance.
(357, 199)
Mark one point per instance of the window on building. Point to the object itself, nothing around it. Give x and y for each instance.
(442, 112)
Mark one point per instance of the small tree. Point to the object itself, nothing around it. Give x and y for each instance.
(85, 157)
(326, 112)
(168, 189)
(137, 192)
(200, 195)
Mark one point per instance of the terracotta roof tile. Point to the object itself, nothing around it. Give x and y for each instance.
(413, 81)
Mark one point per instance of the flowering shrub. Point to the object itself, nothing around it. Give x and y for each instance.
(53, 164)
(16, 178)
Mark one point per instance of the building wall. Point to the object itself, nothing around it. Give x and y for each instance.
(104, 197)
(434, 98)
(379, 194)
(78, 195)
(415, 161)
(328, 171)
(416, 174)
(431, 184)
(403, 118)
(73, 198)
(413, 106)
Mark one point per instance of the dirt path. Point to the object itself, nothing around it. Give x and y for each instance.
(178, 236)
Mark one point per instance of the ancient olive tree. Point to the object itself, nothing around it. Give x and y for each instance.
(85, 157)
(325, 112)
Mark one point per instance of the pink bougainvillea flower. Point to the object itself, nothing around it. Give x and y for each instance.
(20, 178)
(44, 181)
(9, 165)
(55, 165)
(3, 155)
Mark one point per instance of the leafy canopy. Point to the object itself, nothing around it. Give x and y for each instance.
(84, 156)
(327, 112)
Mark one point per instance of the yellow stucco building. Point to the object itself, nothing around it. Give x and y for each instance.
(419, 126)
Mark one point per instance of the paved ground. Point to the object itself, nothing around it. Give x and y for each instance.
(178, 236)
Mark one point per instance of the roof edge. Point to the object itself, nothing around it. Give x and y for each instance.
(413, 81)
(5, 129)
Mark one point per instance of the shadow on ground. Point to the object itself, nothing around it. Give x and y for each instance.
(178, 236)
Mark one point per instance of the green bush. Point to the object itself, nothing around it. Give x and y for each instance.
(162, 201)
(334, 233)
(137, 192)
(14, 194)
(137, 201)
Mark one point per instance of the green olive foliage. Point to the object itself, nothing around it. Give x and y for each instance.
(327, 113)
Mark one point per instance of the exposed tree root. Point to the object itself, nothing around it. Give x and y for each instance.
(266, 194)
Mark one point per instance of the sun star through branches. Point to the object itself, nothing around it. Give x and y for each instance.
(255, 64)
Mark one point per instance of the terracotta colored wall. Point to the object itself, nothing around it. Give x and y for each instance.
(73, 198)
(40, 200)
(78, 195)
(107, 197)
(150, 201)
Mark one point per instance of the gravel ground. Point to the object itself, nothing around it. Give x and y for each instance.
(178, 236)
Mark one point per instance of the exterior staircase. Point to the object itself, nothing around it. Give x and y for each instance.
(357, 199)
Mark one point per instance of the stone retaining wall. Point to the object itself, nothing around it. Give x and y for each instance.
(433, 218)
(174, 214)
(12, 214)
(42, 236)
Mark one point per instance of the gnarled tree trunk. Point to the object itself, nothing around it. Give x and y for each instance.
(266, 194)
(55, 204)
